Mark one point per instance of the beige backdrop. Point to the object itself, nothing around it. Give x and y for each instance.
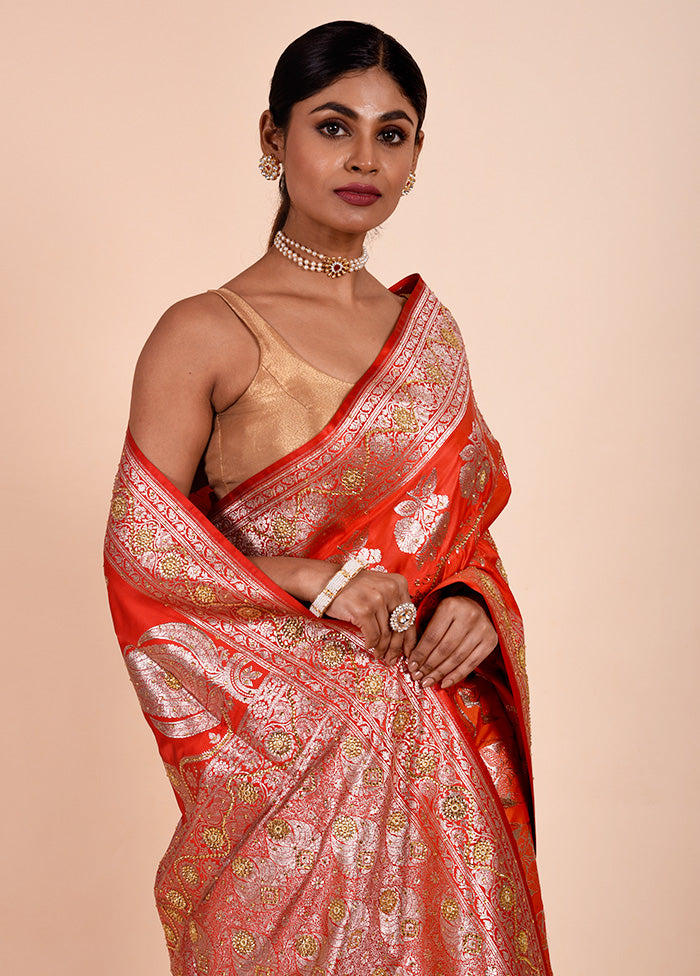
(556, 214)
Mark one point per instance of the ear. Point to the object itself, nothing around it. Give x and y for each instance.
(417, 149)
(271, 138)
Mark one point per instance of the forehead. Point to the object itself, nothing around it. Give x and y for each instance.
(369, 93)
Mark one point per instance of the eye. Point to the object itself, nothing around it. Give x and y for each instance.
(331, 128)
(392, 136)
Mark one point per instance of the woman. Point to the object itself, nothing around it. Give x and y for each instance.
(352, 775)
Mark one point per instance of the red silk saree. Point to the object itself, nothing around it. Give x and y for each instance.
(335, 820)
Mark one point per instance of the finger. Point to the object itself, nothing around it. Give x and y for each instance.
(446, 657)
(409, 640)
(452, 638)
(382, 644)
(370, 629)
(459, 665)
(477, 657)
(437, 627)
(395, 649)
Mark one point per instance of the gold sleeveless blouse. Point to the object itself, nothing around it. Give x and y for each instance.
(287, 403)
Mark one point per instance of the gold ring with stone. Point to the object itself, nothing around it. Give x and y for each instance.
(402, 617)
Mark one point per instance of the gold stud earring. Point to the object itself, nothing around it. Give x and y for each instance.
(270, 166)
(409, 184)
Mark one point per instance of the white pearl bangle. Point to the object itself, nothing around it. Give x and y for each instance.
(334, 585)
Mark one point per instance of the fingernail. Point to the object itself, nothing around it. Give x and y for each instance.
(427, 683)
(447, 684)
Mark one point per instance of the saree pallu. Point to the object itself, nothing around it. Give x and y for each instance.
(335, 819)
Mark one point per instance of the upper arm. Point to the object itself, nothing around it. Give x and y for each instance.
(174, 383)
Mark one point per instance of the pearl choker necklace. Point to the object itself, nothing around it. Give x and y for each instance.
(333, 267)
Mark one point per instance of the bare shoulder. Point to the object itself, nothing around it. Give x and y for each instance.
(197, 325)
(198, 359)
(201, 340)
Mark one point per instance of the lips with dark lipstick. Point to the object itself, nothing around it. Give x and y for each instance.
(358, 194)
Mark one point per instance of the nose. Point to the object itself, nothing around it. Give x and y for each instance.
(362, 156)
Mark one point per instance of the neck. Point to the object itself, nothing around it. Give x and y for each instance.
(325, 240)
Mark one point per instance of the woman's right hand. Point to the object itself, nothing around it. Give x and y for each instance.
(367, 602)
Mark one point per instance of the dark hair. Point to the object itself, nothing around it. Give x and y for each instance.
(324, 54)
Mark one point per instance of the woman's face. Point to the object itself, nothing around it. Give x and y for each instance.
(347, 153)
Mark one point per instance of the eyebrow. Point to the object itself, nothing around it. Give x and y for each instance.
(352, 114)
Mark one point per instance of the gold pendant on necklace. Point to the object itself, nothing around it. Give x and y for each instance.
(336, 267)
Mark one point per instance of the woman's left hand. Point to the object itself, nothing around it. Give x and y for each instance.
(458, 637)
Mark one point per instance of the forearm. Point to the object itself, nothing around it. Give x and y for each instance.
(301, 578)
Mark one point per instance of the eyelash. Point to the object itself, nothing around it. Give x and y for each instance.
(398, 135)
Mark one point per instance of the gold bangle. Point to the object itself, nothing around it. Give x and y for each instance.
(334, 585)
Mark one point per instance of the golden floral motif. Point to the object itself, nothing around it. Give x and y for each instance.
(337, 910)
(120, 504)
(283, 530)
(436, 374)
(176, 899)
(454, 807)
(410, 927)
(353, 480)
(290, 631)
(189, 874)
(344, 827)
(280, 743)
(450, 337)
(247, 793)
(450, 909)
(171, 681)
(371, 687)
(241, 866)
(243, 942)
(194, 934)
(388, 900)
(365, 860)
(373, 776)
(278, 829)
(171, 565)
(262, 971)
(418, 850)
(396, 821)
(482, 851)
(352, 747)
(403, 717)
(142, 540)
(332, 653)
(522, 943)
(405, 419)
(424, 764)
(214, 838)
(506, 897)
(355, 939)
(306, 946)
(170, 935)
(204, 594)
(203, 964)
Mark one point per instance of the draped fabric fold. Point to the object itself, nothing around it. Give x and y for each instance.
(335, 820)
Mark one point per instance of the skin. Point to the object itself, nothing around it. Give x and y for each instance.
(200, 358)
